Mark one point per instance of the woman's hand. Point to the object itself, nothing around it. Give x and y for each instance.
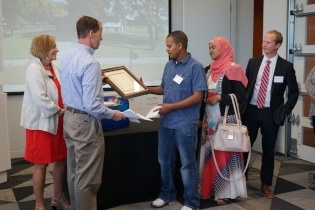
(61, 111)
(213, 100)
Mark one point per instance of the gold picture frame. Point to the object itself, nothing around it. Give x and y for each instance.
(124, 82)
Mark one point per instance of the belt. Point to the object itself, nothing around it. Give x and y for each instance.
(255, 106)
(73, 110)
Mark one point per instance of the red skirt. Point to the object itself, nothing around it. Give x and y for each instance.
(43, 147)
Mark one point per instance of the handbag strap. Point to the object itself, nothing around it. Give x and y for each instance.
(225, 114)
(239, 123)
(236, 109)
(217, 167)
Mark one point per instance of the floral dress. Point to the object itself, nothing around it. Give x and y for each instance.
(231, 164)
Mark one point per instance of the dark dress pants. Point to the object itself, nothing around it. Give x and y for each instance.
(255, 118)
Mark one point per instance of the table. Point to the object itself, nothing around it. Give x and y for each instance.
(131, 170)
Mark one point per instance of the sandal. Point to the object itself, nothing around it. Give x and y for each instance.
(60, 203)
(222, 201)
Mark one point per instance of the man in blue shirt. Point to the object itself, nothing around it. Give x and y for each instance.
(183, 85)
(81, 87)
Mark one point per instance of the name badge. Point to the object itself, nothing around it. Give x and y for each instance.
(178, 79)
(278, 79)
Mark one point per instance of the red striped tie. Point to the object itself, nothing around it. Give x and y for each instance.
(263, 86)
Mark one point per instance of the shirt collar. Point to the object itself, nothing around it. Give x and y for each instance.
(273, 60)
(184, 60)
(86, 48)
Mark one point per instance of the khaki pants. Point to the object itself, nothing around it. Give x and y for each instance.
(85, 156)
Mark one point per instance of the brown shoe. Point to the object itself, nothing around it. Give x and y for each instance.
(266, 191)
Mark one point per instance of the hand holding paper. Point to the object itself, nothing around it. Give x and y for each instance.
(154, 112)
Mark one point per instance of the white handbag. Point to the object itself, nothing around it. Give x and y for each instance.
(231, 138)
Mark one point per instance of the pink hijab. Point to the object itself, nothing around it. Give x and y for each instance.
(224, 64)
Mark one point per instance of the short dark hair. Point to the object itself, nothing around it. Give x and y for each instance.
(179, 37)
(279, 38)
(85, 24)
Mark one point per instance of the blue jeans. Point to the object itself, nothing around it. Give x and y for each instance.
(184, 140)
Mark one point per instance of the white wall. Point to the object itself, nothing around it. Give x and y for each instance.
(243, 46)
(16, 132)
(5, 161)
(275, 17)
(203, 25)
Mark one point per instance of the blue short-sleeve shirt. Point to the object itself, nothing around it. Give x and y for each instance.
(193, 79)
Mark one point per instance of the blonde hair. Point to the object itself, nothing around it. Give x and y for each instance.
(41, 45)
(279, 37)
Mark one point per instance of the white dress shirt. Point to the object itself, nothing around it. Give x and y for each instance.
(273, 62)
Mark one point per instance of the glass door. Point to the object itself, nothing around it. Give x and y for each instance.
(302, 22)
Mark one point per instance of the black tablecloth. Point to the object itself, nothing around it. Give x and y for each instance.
(131, 170)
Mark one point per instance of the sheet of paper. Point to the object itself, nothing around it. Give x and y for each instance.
(109, 103)
(133, 116)
(144, 118)
(153, 113)
(130, 114)
(134, 120)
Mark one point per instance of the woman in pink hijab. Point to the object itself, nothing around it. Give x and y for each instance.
(224, 77)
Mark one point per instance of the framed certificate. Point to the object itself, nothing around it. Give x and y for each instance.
(124, 82)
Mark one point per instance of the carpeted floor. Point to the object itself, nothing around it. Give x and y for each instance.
(293, 184)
